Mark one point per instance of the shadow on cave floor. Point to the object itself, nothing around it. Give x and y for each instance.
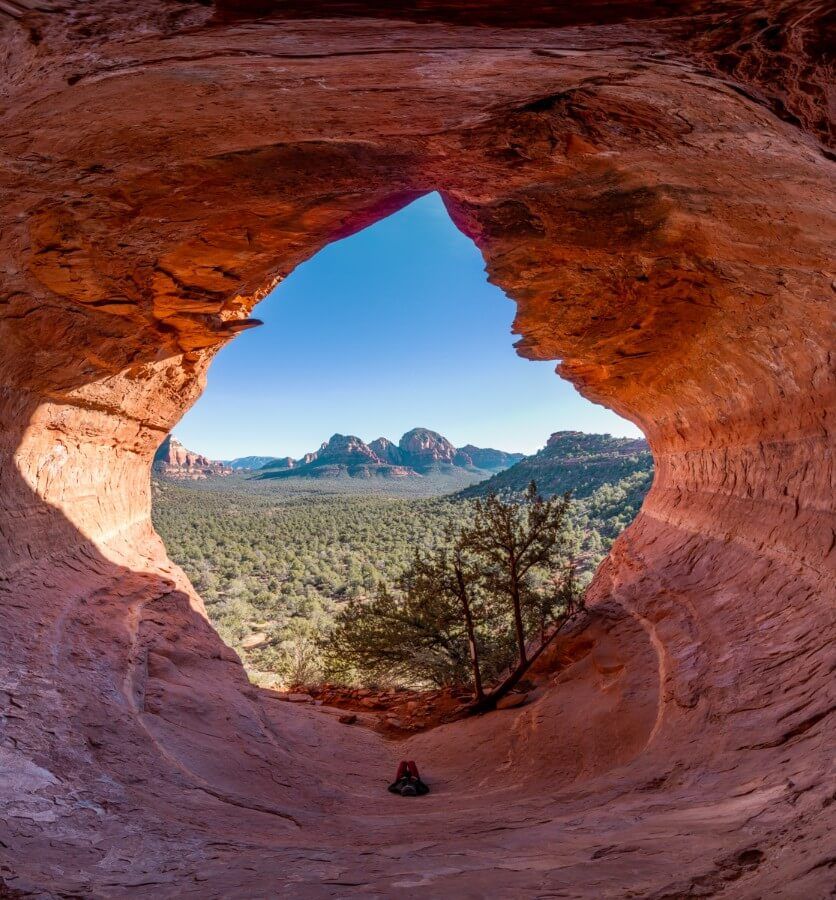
(139, 761)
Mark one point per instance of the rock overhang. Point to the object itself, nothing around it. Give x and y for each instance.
(665, 230)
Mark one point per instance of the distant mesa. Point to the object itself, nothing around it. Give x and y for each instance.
(386, 451)
(570, 461)
(424, 449)
(343, 454)
(419, 452)
(490, 459)
(173, 460)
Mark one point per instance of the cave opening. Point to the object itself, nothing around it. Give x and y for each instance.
(316, 479)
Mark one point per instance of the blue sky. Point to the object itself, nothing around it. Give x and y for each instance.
(392, 328)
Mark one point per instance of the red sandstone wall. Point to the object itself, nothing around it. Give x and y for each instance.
(658, 200)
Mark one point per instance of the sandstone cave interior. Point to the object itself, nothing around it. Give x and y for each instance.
(652, 184)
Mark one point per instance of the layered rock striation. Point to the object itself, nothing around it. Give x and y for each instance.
(652, 184)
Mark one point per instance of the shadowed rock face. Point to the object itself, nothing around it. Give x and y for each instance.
(650, 183)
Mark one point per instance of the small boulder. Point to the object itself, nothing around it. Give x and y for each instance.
(251, 642)
(348, 719)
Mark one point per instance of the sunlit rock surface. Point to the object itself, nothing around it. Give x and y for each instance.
(418, 451)
(173, 460)
(652, 183)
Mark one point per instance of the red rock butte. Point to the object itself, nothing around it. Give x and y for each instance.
(652, 183)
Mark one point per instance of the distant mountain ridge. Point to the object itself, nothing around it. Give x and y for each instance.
(248, 462)
(570, 461)
(418, 452)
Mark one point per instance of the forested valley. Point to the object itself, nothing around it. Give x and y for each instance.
(275, 562)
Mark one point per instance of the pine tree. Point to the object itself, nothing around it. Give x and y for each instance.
(448, 574)
(512, 540)
(459, 608)
(415, 634)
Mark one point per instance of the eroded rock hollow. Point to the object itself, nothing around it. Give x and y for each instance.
(652, 184)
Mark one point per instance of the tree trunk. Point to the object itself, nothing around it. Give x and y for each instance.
(518, 622)
(513, 679)
(471, 637)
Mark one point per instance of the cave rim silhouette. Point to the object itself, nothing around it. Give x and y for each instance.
(708, 542)
(320, 277)
(275, 294)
